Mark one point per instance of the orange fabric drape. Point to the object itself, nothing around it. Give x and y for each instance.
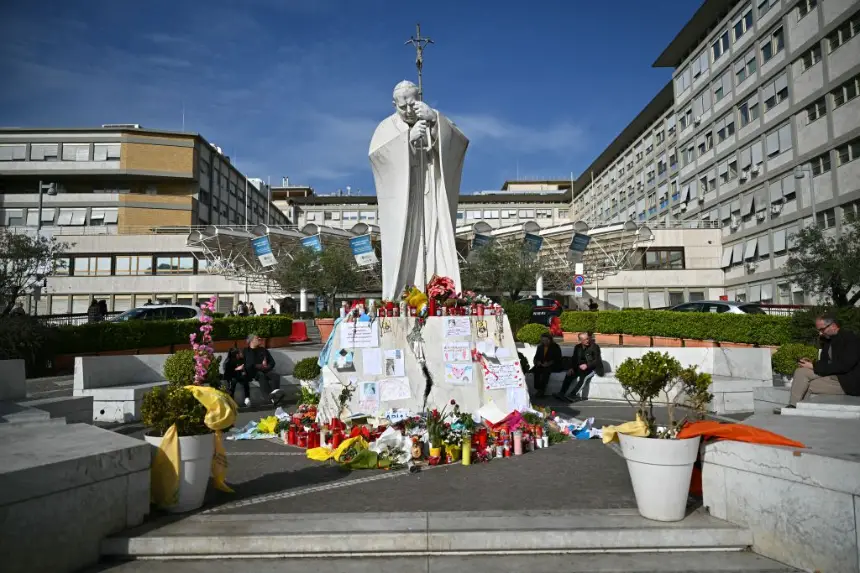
(736, 433)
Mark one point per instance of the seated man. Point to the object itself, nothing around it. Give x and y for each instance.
(547, 360)
(837, 371)
(585, 364)
(259, 365)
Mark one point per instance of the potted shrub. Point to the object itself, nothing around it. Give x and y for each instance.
(785, 359)
(661, 465)
(531, 333)
(325, 323)
(307, 372)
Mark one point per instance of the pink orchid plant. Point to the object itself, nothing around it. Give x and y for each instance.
(204, 354)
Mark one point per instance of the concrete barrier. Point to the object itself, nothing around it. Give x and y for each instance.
(13, 380)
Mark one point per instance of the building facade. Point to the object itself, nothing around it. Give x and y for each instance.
(757, 134)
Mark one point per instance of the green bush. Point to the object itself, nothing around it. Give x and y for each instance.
(179, 369)
(747, 328)
(108, 336)
(531, 333)
(785, 359)
(25, 338)
(307, 369)
(163, 407)
(803, 322)
(578, 321)
(519, 314)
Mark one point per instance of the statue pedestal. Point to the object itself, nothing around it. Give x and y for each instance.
(382, 382)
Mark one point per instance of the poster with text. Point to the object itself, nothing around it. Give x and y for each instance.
(459, 374)
(394, 389)
(503, 374)
(457, 326)
(457, 351)
(359, 334)
(394, 364)
(368, 397)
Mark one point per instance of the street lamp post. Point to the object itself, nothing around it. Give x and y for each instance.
(799, 173)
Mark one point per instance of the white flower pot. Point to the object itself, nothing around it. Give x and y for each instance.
(195, 467)
(660, 471)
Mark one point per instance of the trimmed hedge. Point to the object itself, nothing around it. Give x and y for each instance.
(519, 314)
(785, 359)
(745, 328)
(531, 333)
(803, 322)
(109, 336)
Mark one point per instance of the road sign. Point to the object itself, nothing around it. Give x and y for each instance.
(579, 280)
(579, 269)
(577, 291)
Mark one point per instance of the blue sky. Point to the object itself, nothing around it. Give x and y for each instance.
(296, 88)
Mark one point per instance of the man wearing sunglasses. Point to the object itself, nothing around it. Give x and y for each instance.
(837, 371)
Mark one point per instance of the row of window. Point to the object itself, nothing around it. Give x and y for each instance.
(470, 215)
(60, 152)
(130, 265)
(64, 216)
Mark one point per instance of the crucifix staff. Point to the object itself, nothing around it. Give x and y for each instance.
(419, 43)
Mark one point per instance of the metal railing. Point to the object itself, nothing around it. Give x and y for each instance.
(72, 319)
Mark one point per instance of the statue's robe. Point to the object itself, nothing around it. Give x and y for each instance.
(404, 203)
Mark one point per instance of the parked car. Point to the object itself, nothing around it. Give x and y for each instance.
(159, 312)
(719, 306)
(543, 309)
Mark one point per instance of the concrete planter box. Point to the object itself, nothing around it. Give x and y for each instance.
(665, 341)
(690, 343)
(153, 350)
(570, 337)
(608, 339)
(225, 345)
(277, 341)
(635, 340)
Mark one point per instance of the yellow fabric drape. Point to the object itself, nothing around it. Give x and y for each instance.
(324, 453)
(636, 428)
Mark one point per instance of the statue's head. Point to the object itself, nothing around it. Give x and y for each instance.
(405, 98)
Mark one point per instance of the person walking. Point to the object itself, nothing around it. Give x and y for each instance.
(252, 311)
(259, 366)
(592, 305)
(241, 309)
(837, 371)
(546, 361)
(585, 364)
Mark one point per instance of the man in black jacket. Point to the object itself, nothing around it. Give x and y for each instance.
(837, 371)
(547, 360)
(585, 364)
(260, 366)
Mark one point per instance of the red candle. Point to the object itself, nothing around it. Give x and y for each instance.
(383, 313)
(482, 438)
(302, 440)
(389, 305)
(291, 436)
(336, 438)
(474, 309)
(396, 312)
(480, 309)
(431, 307)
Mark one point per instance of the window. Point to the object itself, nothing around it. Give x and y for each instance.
(826, 219)
(765, 5)
(745, 66)
(663, 259)
(851, 212)
(722, 87)
(508, 213)
(848, 152)
(13, 217)
(773, 45)
(682, 82)
(725, 127)
(804, 7)
(43, 151)
(820, 164)
(689, 154)
(810, 57)
(179, 265)
(107, 152)
(720, 46)
(846, 92)
(705, 142)
(815, 110)
(13, 152)
(779, 140)
(743, 24)
(527, 214)
(68, 217)
(544, 213)
(92, 266)
(331, 216)
(775, 92)
(350, 215)
(473, 215)
(371, 215)
(491, 214)
(749, 111)
(701, 104)
(76, 152)
(845, 32)
(100, 216)
(134, 265)
(686, 118)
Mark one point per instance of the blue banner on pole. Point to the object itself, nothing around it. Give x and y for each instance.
(362, 249)
(312, 242)
(532, 243)
(263, 250)
(481, 241)
(579, 242)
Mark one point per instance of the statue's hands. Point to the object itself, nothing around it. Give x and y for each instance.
(418, 131)
(424, 112)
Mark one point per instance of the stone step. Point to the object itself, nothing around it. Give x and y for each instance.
(820, 413)
(14, 413)
(421, 534)
(681, 562)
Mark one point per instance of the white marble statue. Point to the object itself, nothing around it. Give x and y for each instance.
(417, 158)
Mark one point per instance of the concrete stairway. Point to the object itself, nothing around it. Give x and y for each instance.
(586, 540)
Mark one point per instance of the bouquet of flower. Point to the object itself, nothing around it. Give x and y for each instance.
(441, 288)
(471, 297)
(437, 427)
(464, 422)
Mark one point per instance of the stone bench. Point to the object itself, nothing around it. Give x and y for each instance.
(802, 505)
(736, 373)
(822, 406)
(64, 488)
(117, 384)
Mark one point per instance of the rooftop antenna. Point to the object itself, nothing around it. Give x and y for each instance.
(419, 43)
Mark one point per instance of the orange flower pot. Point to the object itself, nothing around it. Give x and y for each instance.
(608, 339)
(667, 342)
(690, 343)
(636, 340)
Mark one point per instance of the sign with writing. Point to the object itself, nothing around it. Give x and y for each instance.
(481, 241)
(263, 250)
(312, 242)
(579, 242)
(457, 326)
(504, 374)
(459, 374)
(362, 249)
(359, 334)
(456, 351)
(395, 415)
(532, 243)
